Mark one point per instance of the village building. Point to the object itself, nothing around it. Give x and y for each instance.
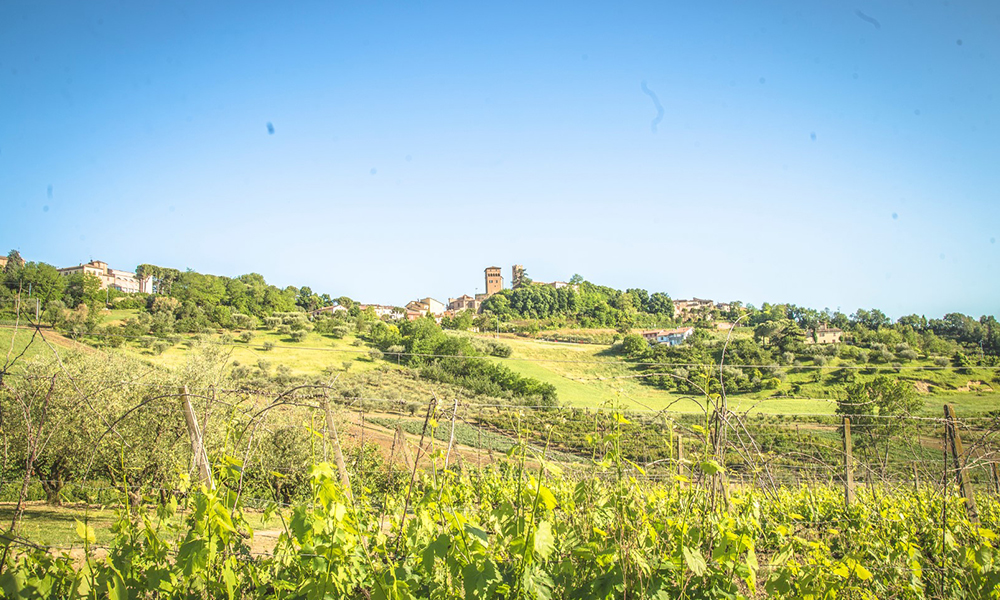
(824, 335)
(670, 337)
(464, 302)
(384, 312)
(427, 305)
(516, 275)
(494, 280)
(329, 310)
(684, 309)
(123, 281)
(518, 279)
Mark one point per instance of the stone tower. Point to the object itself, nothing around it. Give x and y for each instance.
(516, 273)
(494, 280)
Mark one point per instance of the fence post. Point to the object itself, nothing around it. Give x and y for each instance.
(996, 476)
(338, 453)
(848, 464)
(955, 445)
(200, 456)
(680, 457)
(916, 478)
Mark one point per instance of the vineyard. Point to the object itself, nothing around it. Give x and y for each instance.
(183, 483)
(512, 532)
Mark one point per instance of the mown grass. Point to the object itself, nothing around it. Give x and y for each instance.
(314, 355)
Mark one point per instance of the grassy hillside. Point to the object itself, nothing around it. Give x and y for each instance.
(580, 381)
(314, 355)
(584, 375)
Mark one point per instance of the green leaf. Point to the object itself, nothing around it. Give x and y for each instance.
(694, 561)
(86, 532)
(230, 578)
(479, 579)
(547, 497)
(116, 586)
(711, 467)
(545, 542)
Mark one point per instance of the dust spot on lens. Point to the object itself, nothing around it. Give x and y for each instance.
(270, 128)
(373, 171)
(45, 208)
(958, 42)
(812, 136)
(762, 80)
(895, 216)
(48, 191)
(409, 157)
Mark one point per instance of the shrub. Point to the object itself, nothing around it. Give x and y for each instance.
(246, 336)
(160, 347)
(941, 361)
(298, 336)
(268, 346)
(375, 354)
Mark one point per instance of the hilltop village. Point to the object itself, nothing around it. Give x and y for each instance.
(153, 280)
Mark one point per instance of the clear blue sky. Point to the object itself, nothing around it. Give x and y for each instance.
(804, 154)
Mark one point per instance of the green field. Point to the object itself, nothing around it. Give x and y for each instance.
(589, 375)
(584, 375)
(314, 355)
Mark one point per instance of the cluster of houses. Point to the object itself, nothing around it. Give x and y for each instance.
(684, 310)
(670, 337)
(115, 279)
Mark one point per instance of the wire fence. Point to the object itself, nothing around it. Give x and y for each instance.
(140, 434)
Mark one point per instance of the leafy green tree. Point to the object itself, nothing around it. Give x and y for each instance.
(83, 288)
(660, 304)
(879, 411)
(635, 346)
(14, 262)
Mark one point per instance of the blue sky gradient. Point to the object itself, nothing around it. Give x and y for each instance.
(804, 154)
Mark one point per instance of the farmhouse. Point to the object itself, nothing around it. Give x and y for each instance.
(123, 281)
(670, 337)
(329, 310)
(824, 335)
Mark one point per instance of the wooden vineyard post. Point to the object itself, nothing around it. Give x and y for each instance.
(957, 457)
(680, 457)
(996, 476)
(199, 455)
(338, 452)
(401, 437)
(916, 478)
(848, 464)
